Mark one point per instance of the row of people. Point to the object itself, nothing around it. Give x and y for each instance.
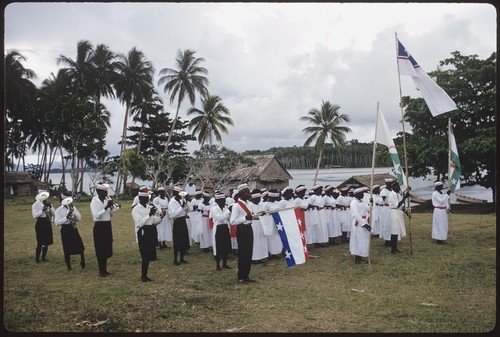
(331, 216)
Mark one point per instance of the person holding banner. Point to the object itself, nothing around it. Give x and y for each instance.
(359, 242)
(440, 213)
(274, 243)
(242, 217)
(220, 214)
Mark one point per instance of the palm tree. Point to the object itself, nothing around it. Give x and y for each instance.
(134, 80)
(104, 69)
(187, 80)
(81, 69)
(20, 93)
(325, 126)
(210, 121)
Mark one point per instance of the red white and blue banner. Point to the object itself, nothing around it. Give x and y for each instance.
(291, 228)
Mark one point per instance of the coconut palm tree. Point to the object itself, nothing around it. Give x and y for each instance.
(20, 93)
(135, 78)
(81, 69)
(325, 126)
(187, 80)
(210, 121)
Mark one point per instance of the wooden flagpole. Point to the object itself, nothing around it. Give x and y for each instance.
(408, 207)
(371, 184)
(449, 180)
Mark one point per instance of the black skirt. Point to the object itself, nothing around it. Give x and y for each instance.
(71, 240)
(103, 239)
(223, 240)
(180, 235)
(147, 236)
(43, 232)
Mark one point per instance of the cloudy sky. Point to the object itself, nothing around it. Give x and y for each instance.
(270, 63)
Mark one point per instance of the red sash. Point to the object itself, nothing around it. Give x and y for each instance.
(232, 228)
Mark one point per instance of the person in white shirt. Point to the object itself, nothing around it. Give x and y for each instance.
(102, 209)
(440, 202)
(385, 212)
(177, 210)
(242, 217)
(359, 241)
(67, 216)
(164, 229)
(274, 243)
(206, 236)
(146, 218)
(43, 212)
(220, 214)
(317, 217)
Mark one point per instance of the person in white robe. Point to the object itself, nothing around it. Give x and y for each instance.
(302, 202)
(396, 200)
(164, 227)
(318, 224)
(274, 244)
(385, 212)
(376, 207)
(344, 214)
(206, 241)
(194, 217)
(260, 249)
(359, 242)
(440, 201)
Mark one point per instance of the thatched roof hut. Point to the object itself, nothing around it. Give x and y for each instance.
(267, 172)
(21, 184)
(365, 179)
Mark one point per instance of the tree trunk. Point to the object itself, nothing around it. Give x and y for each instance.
(174, 122)
(317, 166)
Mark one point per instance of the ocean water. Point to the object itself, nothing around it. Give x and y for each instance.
(421, 187)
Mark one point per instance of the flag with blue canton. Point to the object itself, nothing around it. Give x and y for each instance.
(292, 236)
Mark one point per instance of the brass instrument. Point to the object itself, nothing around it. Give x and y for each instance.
(43, 198)
(184, 203)
(158, 212)
(70, 215)
(115, 204)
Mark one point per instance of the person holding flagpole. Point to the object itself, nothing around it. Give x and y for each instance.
(440, 213)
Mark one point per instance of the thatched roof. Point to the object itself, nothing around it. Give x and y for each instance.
(364, 180)
(21, 177)
(266, 168)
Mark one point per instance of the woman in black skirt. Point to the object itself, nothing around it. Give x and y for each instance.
(177, 209)
(43, 212)
(66, 217)
(146, 218)
(220, 215)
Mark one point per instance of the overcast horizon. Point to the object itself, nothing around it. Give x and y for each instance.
(269, 62)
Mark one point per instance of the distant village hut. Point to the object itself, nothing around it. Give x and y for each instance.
(21, 184)
(267, 172)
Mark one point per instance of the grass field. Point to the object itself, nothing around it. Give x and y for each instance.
(438, 288)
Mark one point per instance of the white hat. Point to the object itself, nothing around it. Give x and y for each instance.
(177, 189)
(273, 194)
(66, 201)
(205, 194)
(375, 186)
(219, 196)
(300, 188)
(359, 190)
(438, 183)
(286, 189)
(161, 188)
(143, 193)
(42, 196)
(102, 187)
(389, 180)
(242, 187)
(315, 187)
(256, 195)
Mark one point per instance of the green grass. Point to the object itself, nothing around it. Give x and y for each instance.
(439, 288)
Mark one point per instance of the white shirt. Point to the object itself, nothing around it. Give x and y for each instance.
(238, 215)
(98, 211)
(141, 217)
(220, 216)
(161, 203)
(440, 199)
(175, 209)
(62, 212)
(37, 210)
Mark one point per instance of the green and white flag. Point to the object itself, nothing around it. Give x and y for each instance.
(382, 137)
(455, 168)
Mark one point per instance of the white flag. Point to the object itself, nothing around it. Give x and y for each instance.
(435, 97)
(383, 137)
(455, 168)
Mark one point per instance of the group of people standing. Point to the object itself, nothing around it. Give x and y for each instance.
(239, 223)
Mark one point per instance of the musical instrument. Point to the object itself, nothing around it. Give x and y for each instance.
(184, 203)
(42, 196)
(70, 215)
(115, 204)
(158, 212)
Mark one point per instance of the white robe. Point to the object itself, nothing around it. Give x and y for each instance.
(359, 242)
(274, 244)
(440, 215)
(206, 236)
(397, 215)
(385, 216)
(317, 216)
(164, 228)
(260, 248)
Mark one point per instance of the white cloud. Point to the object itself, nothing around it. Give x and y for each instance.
(269, 62)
